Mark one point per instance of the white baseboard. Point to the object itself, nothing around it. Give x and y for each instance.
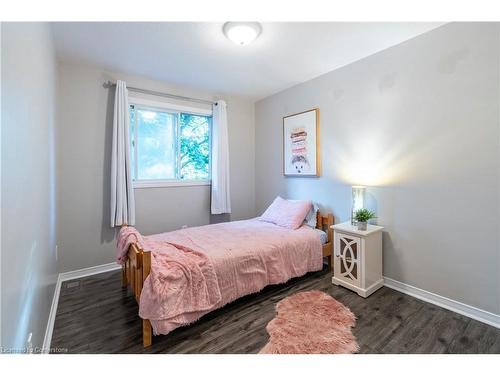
(71, 275)
(65, 276)
(52, 317)
(444, 302)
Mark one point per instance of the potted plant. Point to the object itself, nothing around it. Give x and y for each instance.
(362, 216)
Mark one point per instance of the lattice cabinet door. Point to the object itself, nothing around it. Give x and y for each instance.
(347, 260)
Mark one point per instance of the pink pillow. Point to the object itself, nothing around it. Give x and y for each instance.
(287, 214)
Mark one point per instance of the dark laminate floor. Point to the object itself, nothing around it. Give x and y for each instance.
(95, 315)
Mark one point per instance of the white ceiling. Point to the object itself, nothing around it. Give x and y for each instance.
(198, 54)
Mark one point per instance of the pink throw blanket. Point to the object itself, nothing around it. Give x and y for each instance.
(181, 280)
(197, 270)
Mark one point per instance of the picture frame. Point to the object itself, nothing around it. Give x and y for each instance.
(301, 151)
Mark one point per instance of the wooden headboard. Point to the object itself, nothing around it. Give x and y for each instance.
(324, 223)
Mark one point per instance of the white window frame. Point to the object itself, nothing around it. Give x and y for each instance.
(171, 108)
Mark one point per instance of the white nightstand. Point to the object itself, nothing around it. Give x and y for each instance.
(357, 257)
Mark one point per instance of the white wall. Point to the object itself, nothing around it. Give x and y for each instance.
(420, 121)
(84, 133)
(28, 214)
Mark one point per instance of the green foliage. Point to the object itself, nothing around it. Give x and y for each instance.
(194, 146)
(363, 215)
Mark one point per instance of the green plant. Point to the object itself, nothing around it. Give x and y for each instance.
(363, 215)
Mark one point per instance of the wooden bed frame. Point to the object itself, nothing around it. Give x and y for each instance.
(325, 223)
(138, 266)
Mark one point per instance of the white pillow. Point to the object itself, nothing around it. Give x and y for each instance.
(311, 218)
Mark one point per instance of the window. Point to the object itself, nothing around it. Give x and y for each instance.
(169, 147)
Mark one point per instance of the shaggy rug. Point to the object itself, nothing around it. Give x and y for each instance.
(311, 323)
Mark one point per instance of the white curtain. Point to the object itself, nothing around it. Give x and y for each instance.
(221, 197)
(122, 193)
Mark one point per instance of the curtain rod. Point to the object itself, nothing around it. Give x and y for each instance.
(109, 84)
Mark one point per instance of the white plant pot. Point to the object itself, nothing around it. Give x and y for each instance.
(361, 225)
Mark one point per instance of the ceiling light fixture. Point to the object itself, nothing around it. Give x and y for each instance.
(242, 33)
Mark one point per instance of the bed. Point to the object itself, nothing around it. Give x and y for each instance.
(159, 283)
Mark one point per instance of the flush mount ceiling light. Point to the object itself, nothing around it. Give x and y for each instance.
(242, 33)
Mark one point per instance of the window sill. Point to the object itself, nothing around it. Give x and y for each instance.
(164, 184)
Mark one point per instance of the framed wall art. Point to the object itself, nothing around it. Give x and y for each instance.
(301, 144)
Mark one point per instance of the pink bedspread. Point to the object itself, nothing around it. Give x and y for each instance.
(226, 261)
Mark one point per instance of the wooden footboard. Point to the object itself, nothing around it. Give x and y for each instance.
(138, 266)
(134, 272)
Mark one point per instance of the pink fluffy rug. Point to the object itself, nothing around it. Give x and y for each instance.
(311, 323)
